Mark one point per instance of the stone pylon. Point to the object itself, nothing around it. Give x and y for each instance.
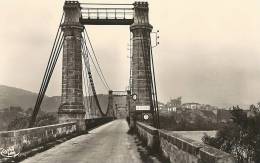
(140, 63)
(110, 104)
(72, 108)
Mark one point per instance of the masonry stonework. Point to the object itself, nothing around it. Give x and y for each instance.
(178, 149)
(26, 139)
(140, 62)
(72, 108)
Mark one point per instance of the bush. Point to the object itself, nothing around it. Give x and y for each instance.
(240, 137)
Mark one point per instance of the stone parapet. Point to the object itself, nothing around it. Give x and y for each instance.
(30, 141)
(179, 149)
(148, 134)
(26, 139)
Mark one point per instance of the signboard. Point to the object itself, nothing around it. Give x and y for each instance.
(146, 117)
(143, 107)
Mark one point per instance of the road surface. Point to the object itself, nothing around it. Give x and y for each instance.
(109, 143)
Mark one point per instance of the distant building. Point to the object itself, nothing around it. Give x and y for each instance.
(161, 105)
(173, 104)
(191, 105)
(172, 109)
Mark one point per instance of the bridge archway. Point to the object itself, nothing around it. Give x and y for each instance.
(76, 16)
(143, 102)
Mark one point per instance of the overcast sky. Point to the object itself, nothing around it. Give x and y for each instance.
(209, 50)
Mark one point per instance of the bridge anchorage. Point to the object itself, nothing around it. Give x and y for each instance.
(73, 40)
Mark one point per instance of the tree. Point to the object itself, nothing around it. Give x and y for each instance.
(240, 137)
(43, 119)
(19, 123)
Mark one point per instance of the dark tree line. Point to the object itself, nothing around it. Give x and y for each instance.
(184, 123)
(241, 137)
(14, 118)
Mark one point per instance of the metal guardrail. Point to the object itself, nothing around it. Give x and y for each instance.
(107, 14)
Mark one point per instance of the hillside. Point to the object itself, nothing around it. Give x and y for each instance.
(10, 96)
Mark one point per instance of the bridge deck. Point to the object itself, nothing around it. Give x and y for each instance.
(109, 143)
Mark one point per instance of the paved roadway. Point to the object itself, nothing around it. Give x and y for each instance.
(109, 143)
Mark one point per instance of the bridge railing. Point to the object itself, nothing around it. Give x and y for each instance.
(25, 139)
(32, 140)
(107, 13)
(178, 149)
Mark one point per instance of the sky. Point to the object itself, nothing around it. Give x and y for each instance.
(209, 51)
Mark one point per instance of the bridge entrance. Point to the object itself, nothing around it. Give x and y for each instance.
(141, 98)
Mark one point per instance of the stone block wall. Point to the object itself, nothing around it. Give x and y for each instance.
(148, 134)
(26, 139)
(178, 149)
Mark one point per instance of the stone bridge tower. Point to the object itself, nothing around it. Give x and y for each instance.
(72, 108)
(141, 66)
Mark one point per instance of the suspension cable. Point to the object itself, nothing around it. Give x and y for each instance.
(85, 79)
(92, 60)
(53, 66)
(50, 62)
(49, 70)
(86, 61)
(86, 67)
(86, 33)
(85, 53)
(46, 74)
(85, 99)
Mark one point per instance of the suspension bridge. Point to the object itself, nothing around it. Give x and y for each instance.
(80, 107)
(73, 41)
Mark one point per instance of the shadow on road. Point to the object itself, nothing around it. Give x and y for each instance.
(147, 155)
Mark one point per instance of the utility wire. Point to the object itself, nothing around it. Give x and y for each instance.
(150, 82)
(154, 84)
